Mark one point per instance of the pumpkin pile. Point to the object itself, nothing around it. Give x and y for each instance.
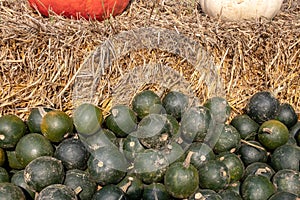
(158, 148)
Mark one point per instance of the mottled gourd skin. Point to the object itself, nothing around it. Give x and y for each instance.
(95, 9)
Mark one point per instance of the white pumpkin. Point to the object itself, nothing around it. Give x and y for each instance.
(235, 10)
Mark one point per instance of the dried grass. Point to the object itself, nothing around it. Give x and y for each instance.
(39, 57)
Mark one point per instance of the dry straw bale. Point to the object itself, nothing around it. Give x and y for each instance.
(39, 57)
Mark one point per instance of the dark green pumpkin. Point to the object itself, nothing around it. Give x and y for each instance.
(109, 192)
(272, 134)
(42, 172)
(150, 166)
(287, 180)
(228, 140)
(31, 146)
(4, 176)
(181, 179)
(13, 162)
(73, 154)
(281, 195)
(155, 191)
(57, 192)
(262, 107)
(18, 179)
(219, 108)
(234, 164)
(259, 168)
(175, 103)
(286, 157)
(132, 186)
(146, 102)
(81, 182)
(88, 119)
(9, 191)
(257, 187)
(107, 165)
(56, 125)
(202, 153)
(214, 175)
(35, 118)
(12, 129)
(287, 115)
(131, 146)
(195, 123)
(251, 152)
(121, 120)
(246, 126)
(205, 194)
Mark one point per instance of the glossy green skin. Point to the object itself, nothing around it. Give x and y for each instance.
(262, 107)
(150, 166)
(57, 192)
(287, 115)
(286, 157)
(18, 179)
(72, 153)
(155, 191)
(122, 120)
(107, 165)
(88, 119)
(256, 187)
(195, 123)
(272, 134)
(202, 153)
(246, 126)
(250, 154)
(56, 125)
(12, 129)
(181, 181)
(35, 118)
(287, 180)
(135, 189)
(228, 140)
(4, 176)
(283, 196)
(259, 168)
(146, 102)
(111, 192)
(76, 178)
(219, 108)
(175, 103)
(31, 146)
(213, 175)
(42, 172)
(9, 191)
(234, 164)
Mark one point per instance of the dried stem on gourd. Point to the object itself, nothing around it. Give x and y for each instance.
(253, 145)
(127, 185)
(187, 160)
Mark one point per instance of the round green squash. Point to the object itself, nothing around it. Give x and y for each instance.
(56, 125)
(88, 119)
(107, 165)
(42, 172)
(181, 178)
(287, 180)
(229, 194)
(246, 126)
(121, 120)
(219, 108)
(13, 162)
(214, 175)
(72, 153)
(110, 192)
(201, 154)
(251, 152)
(9, 191)
(257, 187)
(57, 192)
(4, 176)
(272, 134)
(81, 182)
(12, 129)
(131, 146)
(35, 118)
(145, 103)
(155, 191)
(175, 103)
(133, 187)
(281, 195)
(262, 107)
(286, 157)
(259, 168)
(31, 146)
(287, 115)
(18, 179)
(205, 194)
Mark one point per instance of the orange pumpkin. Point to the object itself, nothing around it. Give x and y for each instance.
(89, 9)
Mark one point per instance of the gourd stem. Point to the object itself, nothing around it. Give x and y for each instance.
(126, 186)
(187, 160)
(253, 145)
(267, 130)
(42, 111)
